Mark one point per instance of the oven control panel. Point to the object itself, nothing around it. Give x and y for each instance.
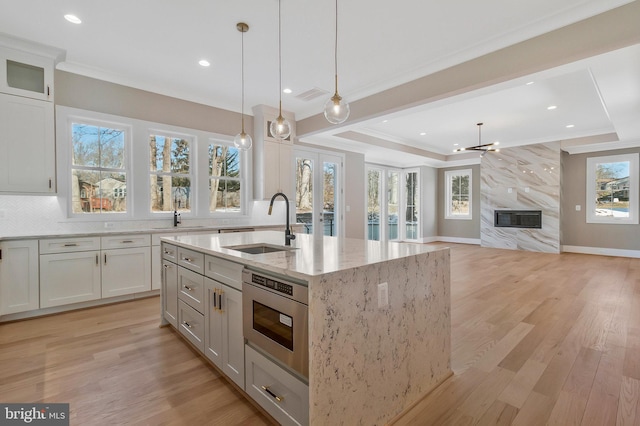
(272, 284)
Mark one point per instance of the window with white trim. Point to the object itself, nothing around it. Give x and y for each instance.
(612, 189)
(99, 168)
(170, 178)
(458, 199)
(225, 178)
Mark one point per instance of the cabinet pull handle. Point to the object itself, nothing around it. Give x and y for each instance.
(186, 324)
(48, 91)
(97, 260)
(105, 258)
(187, 259)
(127, 241)
(187, 287)
(71, 245)
(276, 397)
(49, 183)
(220, 300)
(215, 306)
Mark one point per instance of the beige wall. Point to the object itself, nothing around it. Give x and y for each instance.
(81, 92)
(460, 228)
(575, 229)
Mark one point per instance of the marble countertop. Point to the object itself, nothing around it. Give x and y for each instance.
(309, 255)
(151, 230)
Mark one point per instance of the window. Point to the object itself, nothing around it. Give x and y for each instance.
(612, 189)
(170, 173)
(412, 199)
(374, 187)
(393, 204)
(225, 182)
(98, 169)
(458, 194)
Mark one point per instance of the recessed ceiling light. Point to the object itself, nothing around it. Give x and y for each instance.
(385, 121)
(456, 144)
(287, 91)
(530, 83)
(550, 107)
(570, 126)
(423, 133)
(204, 63)
(72, 18)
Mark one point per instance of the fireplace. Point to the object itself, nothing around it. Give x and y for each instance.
(518, 219)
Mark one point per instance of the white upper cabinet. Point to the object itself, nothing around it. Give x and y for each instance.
(272, 158)
(26, 74)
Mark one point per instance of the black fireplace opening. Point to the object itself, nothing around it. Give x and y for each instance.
(518, 219)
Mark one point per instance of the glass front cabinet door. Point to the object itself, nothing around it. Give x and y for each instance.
(25, 74)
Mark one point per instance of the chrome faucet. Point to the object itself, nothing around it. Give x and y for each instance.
(288, 236)
(176, 218)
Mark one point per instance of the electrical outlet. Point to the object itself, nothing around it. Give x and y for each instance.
(108, 225)
(578, 207)
(383, 295)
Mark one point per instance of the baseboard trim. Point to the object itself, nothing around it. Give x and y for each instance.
(475, 241)
(601, 251)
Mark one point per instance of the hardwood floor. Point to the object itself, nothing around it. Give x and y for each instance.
(539, 339)
(536, 339)
(115, 366)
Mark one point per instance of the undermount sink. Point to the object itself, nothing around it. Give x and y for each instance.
(259, 248)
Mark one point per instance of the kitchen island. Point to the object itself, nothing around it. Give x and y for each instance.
(378, 317)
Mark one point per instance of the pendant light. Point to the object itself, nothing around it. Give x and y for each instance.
(280, 127)
(483, 148)
(242, 141)
(336, 110)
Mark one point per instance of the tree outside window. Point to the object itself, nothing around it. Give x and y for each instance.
(458, 194)
(225, 181)
(170, 173)
(98, 169)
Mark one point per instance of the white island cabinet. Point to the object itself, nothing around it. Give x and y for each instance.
(378, 319)
(19, 271)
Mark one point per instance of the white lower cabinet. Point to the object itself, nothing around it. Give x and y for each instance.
(69, 278)
(19, 271)
(191, 325)
(170, 292)
(126, 271)
(279, 392)
(224, 341)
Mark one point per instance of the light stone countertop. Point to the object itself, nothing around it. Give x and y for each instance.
(309, 256)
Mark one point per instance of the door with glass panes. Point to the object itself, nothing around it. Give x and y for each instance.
(317, 192)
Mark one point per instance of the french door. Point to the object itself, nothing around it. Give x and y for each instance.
(318, 189)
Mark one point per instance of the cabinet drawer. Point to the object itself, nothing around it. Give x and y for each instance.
(170, 252)
(191, 288)
(191, 324)
(155, 238)
(226, 272)
(191, 260)
(283, 395)
(125, 241)
(68, 245)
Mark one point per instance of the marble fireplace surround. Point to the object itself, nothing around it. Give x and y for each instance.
(522, 178)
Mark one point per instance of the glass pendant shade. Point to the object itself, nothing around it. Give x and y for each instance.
(280, 128)
(243, 141)
(336, 110)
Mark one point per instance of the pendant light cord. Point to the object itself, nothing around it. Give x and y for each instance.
(242, 78)
(280, 53)
(335, 50)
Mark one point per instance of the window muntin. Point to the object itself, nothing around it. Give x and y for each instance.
(170, 179)
(612, 189)
(225, 179)
(98, 169)
(458, 194)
